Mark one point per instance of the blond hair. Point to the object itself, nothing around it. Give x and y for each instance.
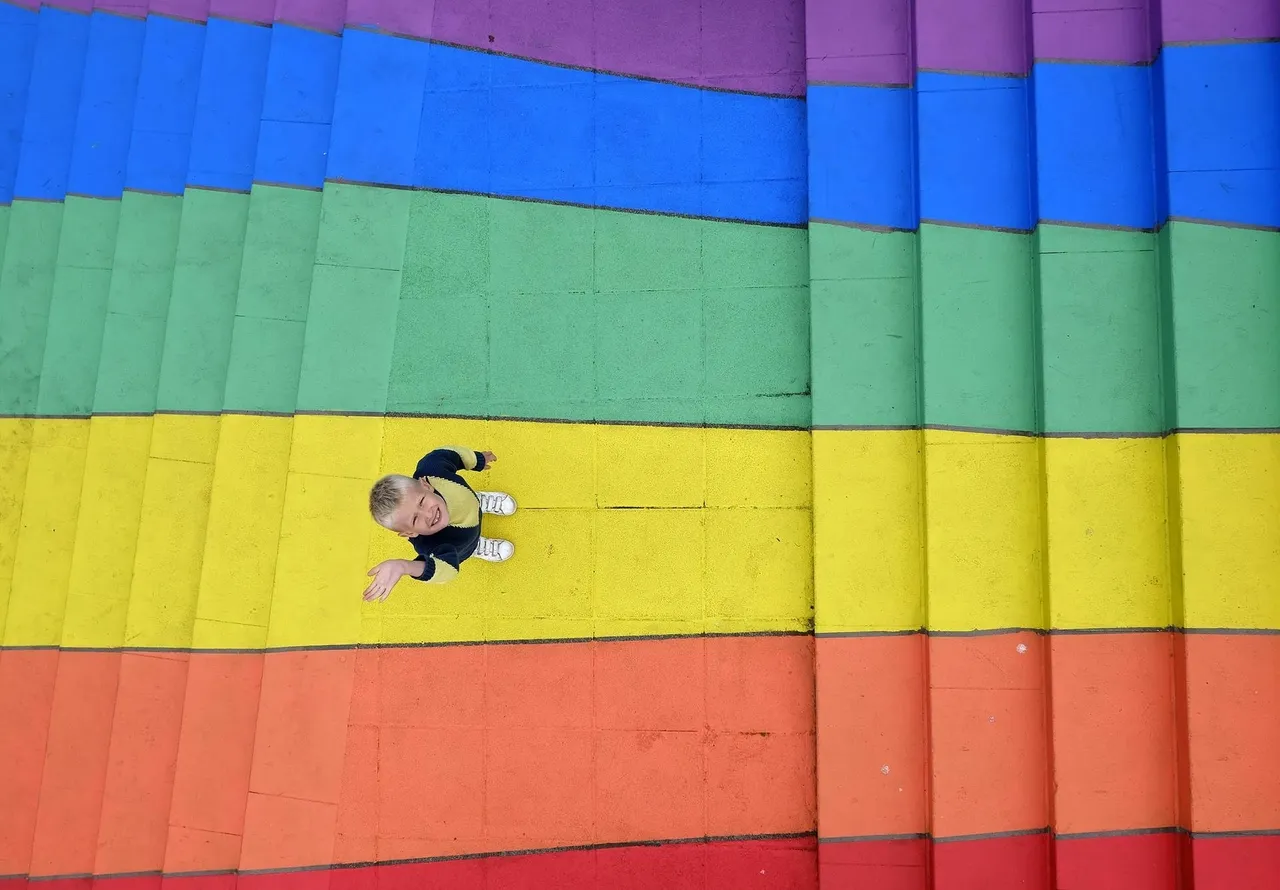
(386, 495)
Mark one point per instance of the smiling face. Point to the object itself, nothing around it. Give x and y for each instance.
(422, 511)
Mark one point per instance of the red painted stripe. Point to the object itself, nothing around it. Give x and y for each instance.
(882, 865)
(1233, 863)
(1122, 862)
(1016, 861)
(1156, 861)
(776, 863)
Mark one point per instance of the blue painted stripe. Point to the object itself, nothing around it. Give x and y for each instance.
(57, 71)
(225, 105)
(1096, 130)
(377, 108)
(975, 150)
(754, 157)
(168, 85)
(105, 121)
(1223, 108)
(297, 106)
(18, 28)
(862, 156)
(414, 114)
(224, 134)
(646, 168)
(1090, 130)
(385, 110)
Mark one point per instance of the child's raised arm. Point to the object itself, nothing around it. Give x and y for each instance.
(453, 459)
(385, 574)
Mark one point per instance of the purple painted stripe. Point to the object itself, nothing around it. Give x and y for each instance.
(258, 11)
(1205, 20)
(751, 45)
(871, 41)
(133, 8)
(864, 42)
(321, 15)
(195, 10)
(754, 46)
(989, 36)
(1095, 30)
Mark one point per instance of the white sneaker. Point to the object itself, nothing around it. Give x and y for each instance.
(496, 502)
(494, 549)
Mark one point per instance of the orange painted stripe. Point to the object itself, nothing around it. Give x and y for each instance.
(988, 734)
(1233, 731)
(298, 750)
(1125, 747)
(1103, 727)
(1115, 735)
(215, 756)
(27, 681)
(1115, 744)
(294, 759)
(75, 764)
(873, 773)
(512, 747)
(216, 761)
(134, 826)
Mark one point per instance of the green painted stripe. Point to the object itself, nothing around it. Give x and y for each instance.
(138, 303)
(206, 282)
(26, 290)
(1226, 324)
(521, 309)
(1100, 306)
(275, 291)
(4, 230)
(355, 292)
(863, 326)
(363, 299)
(1068, 330)
(977, 323)
(78, 311)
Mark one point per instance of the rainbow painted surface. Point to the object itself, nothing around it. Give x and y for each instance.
(892, 395)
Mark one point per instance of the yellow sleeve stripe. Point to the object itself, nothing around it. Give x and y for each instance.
(468, 456)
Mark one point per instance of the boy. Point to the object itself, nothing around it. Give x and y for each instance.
(440, 515)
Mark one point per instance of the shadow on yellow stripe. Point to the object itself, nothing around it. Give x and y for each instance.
(969, 531)
(249, 532)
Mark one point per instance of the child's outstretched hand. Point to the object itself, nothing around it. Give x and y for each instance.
(385, 575)
(489, 457)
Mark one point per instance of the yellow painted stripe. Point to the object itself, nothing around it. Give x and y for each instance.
(246, 504)
(244, 532)
(45, 540)
(968, 531)
(15, 455)
(172, 528)
(1229, 508)
(106, 538)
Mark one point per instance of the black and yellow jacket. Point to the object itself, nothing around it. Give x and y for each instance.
(445, 551)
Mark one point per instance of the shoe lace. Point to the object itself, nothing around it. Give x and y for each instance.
(490, 501)
(487, 547)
